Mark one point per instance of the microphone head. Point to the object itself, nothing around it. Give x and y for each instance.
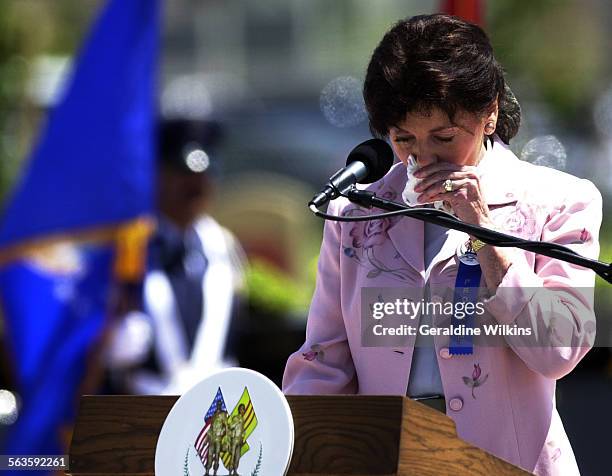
(376, 154)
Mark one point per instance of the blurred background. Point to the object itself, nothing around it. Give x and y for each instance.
(281, 82)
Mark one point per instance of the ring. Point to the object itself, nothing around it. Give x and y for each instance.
(448, 185)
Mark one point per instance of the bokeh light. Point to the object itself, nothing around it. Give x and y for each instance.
(342, 102)
(545, 150)
(602, 113)
(197, 160)
(8, 408)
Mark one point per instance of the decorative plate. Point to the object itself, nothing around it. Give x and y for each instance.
(235, 422)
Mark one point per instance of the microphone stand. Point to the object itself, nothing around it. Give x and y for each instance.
(495, 238)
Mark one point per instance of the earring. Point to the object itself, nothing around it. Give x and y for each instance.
(489, 128)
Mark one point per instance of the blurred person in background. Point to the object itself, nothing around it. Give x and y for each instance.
(183, 331)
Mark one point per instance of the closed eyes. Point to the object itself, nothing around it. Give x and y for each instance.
(405, 140)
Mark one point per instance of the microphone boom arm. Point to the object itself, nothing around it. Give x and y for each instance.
(495, 238)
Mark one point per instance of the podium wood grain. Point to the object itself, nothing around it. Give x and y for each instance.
(334, 435)
(118, 434)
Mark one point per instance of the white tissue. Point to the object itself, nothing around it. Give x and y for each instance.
(410, 196)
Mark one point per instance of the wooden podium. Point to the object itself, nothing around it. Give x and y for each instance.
(334, 435)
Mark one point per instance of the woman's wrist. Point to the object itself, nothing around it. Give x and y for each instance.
(494, 263)
(483, 223)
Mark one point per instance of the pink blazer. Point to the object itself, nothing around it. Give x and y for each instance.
(512, 413)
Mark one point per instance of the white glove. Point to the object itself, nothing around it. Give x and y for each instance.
(131, 341)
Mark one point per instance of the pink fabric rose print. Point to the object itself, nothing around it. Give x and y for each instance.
(555, 452)
(315, 352)
(475, 380)
(368, 234)
(365, 237)
(521, 220)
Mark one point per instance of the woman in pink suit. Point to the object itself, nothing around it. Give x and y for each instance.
(434, 89)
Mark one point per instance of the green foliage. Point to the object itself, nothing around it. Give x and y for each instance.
(258, 465)
(29, 29)
(603, 289)
(186, 465)
(556, 48)
(273, 291)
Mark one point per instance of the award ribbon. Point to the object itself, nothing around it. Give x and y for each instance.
(467, 284)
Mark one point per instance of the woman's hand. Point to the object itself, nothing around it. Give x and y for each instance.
(466, 199)
(468, 203)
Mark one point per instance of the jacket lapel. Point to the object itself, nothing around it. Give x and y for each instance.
(499, 179)
(407, 238)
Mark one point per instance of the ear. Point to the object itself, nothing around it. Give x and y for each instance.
(491, 117)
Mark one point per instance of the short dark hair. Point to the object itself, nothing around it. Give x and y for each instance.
(436, 61)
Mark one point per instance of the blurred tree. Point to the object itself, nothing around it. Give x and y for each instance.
(273, 291)
(556, 48)
(30, 28)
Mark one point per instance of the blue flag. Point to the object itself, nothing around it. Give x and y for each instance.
(54, 318)
(92, 170)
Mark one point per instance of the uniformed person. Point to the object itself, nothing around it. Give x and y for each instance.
(218, 431)
(237, 438)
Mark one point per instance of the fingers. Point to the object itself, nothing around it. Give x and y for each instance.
(434, 180)
(423, 172)
(463, 187)
(464, 179)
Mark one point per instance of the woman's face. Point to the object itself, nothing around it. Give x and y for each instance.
(433, 137)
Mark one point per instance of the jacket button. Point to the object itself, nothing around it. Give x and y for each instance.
(455, 404)
(445, 353)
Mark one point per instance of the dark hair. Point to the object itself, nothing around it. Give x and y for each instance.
(436, 61)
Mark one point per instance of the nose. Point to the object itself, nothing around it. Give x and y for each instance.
(422, 156)
(423, 160)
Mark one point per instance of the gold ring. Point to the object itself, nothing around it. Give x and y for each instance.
(448, 185)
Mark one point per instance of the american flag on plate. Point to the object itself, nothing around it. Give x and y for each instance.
(201, 443)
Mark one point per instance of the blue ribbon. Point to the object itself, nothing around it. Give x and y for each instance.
(466, 290)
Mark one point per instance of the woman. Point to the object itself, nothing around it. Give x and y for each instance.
(434, 89)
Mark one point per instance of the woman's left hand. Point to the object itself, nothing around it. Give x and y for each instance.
(466, 199)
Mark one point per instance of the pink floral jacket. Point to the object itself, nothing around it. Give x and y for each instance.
(502, 399)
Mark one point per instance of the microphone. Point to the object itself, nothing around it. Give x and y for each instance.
(367, 163)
